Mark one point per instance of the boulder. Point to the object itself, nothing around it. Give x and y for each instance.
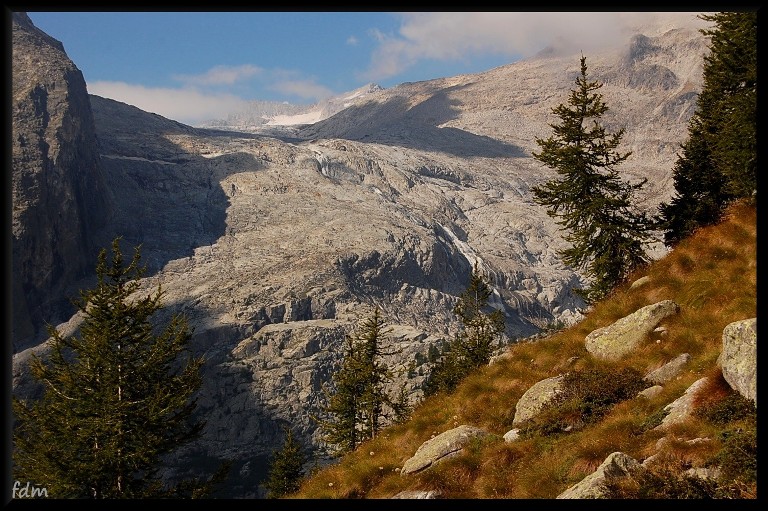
(444, 445)
(615, 465)
(640, 282)
(738, 360)
(681, 408)
(512, 435)
(534, 399)
(651, 392)
(669, 370)
(624, 335)
(417, 494)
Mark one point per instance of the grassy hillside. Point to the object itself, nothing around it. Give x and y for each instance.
(711, 275)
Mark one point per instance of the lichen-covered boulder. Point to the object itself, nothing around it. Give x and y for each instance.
(616, 340)
(444, 445)
(738, 360)
(534, 399)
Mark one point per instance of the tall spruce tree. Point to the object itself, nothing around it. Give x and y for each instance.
(286, 468)
(700, 193)
(589, 199)
(115, 399)
(355, 407)
(473, 345)
(730, 76)
(718, 163)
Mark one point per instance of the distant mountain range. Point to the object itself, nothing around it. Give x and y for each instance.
(264, 116)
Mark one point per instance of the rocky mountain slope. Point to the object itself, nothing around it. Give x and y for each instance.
(652, 396)
(275, 248)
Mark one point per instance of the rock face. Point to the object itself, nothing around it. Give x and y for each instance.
(623, 336)
(59, 196)
(275, 248)
(738, 360)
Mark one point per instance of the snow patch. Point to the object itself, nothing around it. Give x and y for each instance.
(467, 251)
(136, 158)
(310, 117)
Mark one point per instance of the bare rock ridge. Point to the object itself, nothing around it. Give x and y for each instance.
(275, 248)
(58, 192)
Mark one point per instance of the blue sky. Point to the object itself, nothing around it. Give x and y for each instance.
(193, 67)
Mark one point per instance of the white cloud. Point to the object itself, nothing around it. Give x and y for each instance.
(220, 75)
(305, 89)
(450, 36)
(352, 40)
(188, 106)
(197, 101)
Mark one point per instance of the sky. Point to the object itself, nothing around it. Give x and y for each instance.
(198, 66)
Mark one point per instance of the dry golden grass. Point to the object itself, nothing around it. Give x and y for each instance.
(711, 275)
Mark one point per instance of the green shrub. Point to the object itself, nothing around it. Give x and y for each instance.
(733, 407)
(585, 397)
(653, 420)
(660, 483)
(738, 457)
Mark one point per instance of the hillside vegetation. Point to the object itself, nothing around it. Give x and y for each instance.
(711, 275)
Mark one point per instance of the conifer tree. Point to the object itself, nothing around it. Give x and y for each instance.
(718, 163)
(355, 407)
(374, 374)
(700, 194)
(341, 411)
(116, 397)
(730, 78)
(473, 345)
(401, 406)
(286, 468)
(589, 199)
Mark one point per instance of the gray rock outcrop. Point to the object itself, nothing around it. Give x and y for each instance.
(680, 409)
(616, 465)
(738, 360)
(534, 399)
(669, 370)
(651, 392)
(417, 494)
(640, 282)
(59, 196)
(616, 340)
(446, 444)
(512, 435)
